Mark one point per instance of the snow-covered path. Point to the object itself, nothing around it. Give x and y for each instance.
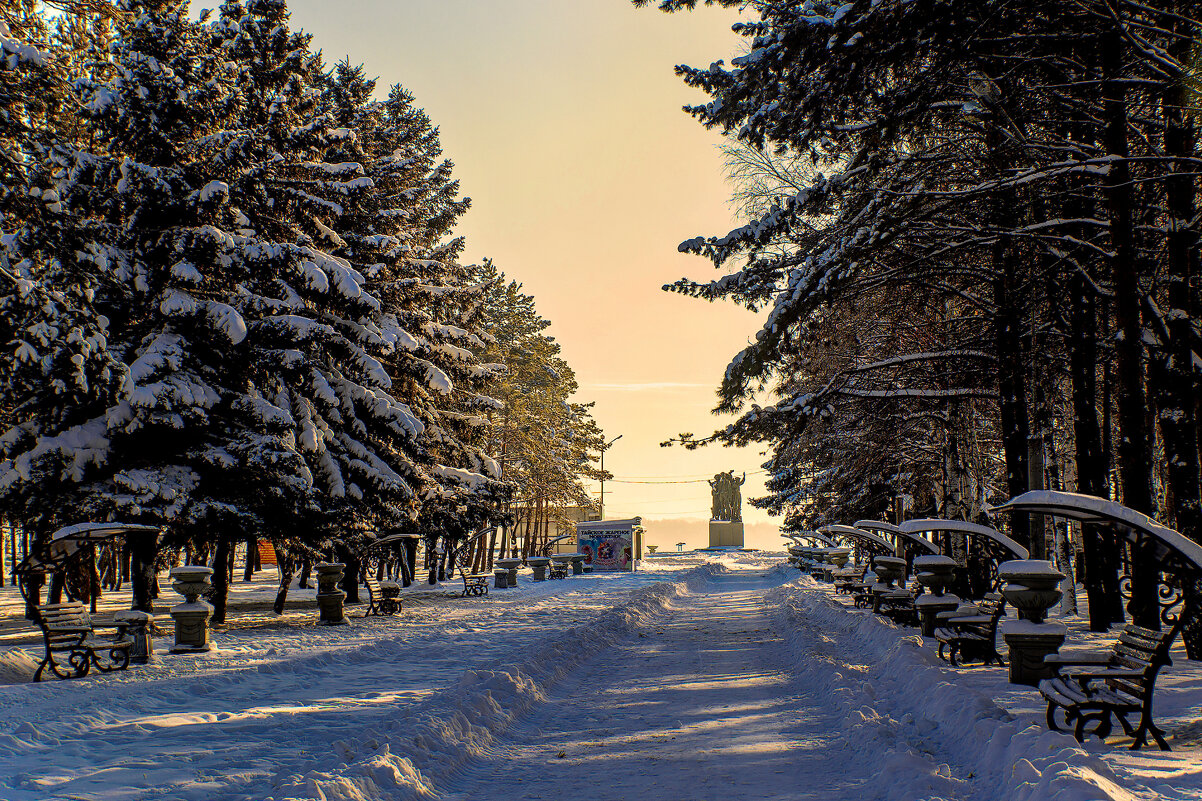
(701, 704)
(695, 678)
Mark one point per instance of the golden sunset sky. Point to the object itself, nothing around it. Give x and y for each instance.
(564, 120)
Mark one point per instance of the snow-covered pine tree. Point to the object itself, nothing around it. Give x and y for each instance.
(396, 236)
(182, 434)
(314, 307)
(1016, 159)
(546, 441)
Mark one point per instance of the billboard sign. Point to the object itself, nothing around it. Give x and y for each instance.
(610, 544)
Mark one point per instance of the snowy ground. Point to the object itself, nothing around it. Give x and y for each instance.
(730, 679)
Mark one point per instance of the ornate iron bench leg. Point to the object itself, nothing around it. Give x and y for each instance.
(1101, 729)
(118, 659)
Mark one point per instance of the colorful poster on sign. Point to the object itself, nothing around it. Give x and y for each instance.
(607, 550)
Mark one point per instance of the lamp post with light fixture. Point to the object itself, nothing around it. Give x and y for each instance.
(604, 448)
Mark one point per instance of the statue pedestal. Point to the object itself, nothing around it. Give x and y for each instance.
(725, 534)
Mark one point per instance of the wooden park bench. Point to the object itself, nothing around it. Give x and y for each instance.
(473, 583)
(72, 647)
(899, 607)
(972, 636)
(559, 570)
(1114, 685)
(378, 602)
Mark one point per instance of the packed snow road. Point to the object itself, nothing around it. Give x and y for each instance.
(701, 704)
(693, 679)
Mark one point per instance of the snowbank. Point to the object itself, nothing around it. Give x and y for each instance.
(893, 693)
(17, 665)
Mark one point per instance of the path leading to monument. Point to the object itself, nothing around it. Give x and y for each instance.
(701, 705)
(752, 686)
(702, 677)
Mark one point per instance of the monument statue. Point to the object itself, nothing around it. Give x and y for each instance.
(727, 498)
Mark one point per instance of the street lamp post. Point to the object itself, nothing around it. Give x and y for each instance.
(604, 448)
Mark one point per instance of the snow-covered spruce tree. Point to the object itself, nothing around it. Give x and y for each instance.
(176, 432)
(396, 235)
(303, 184)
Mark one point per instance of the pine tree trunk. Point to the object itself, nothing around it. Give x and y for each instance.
(34, 587)
(221, 580)
(251, 550)
(54, 595)
(1011, 387)
(286, 564)
(1036, 463)
(1180, 387)
(350, 576)
(142, 553)
(1134, 453)
(13, 540)
(93, 579)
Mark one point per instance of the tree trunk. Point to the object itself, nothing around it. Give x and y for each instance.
(252, 550)
(1134, 456)
(408, 570)
(34, 588)
(13, 540)
(1011, 386)
(54, 595)
(350, 576)
(142, 553)
(1179, 388)
(1036, 462)
(286, 564)
(221, 580)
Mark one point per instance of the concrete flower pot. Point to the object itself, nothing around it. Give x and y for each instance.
(329, 595)
(1032, 587)
(889, 569)
(192, 616)
(539, 565)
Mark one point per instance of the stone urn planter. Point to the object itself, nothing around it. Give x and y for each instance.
(889, 569)
(934, 573)
(329, 595)
(192, 616)
(577, 563)
(839, 557)
(1032, 588)
(539, 565)
(511, 564)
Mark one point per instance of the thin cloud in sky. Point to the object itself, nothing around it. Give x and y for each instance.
(644, 386)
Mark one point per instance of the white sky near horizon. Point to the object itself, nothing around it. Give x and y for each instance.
(564, 121)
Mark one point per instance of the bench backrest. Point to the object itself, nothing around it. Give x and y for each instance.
(72, 613)
(1145, 650)
(373, 583)
(993, 605)
(56, 619)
